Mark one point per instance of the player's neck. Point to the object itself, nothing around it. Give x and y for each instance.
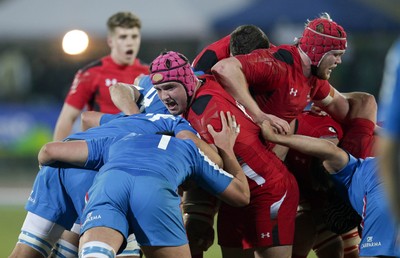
(198, 85)
(305, 63)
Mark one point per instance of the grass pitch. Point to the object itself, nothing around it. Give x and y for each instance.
(12, 217)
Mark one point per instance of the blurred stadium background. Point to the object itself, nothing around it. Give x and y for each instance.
(35, 73)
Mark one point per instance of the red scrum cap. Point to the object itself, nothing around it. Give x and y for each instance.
(321, 36)
(173, 67)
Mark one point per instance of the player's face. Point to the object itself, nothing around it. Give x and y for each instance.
(124, 44)
(174, 97)
(328, 63)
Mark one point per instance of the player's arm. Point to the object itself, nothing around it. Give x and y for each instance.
(333, 157)
(65, 122)
(73, 152)
(124, 97)
(335, 104)
(229, 74)
(237, 193)
(90, 119)
(206, 148)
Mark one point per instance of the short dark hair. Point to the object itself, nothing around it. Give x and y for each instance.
(247, 38)
(124, 20)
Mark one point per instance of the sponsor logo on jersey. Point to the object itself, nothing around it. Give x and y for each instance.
(293, 92)
(265, 235)
(89, 218)
(370, 243)
(31, 199)
(110, 82)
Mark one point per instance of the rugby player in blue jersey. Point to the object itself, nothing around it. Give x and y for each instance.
(390, 144)
(58, 194)
(136, 188)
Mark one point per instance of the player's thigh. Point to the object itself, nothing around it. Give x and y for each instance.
(156, 214)
(49, 200)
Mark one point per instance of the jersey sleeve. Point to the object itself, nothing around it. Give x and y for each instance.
(210, 177)
(97, 152)
(344, 177)
(261, 70)
(109, 117)
(183, 124)
(82, 89)
(211, 54)
(321, 90)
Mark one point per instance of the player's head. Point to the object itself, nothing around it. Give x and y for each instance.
(124, 37)
(321, 37)
(247, 38)
(172, 74)
(126, 20)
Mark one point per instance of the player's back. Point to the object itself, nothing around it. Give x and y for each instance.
(138, 123)
(162, 156)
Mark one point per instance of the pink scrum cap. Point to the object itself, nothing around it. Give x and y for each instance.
(173, 67)
(321, 36)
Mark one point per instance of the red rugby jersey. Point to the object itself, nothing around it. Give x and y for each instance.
(211, 54)
(90, 85)
(277, 81)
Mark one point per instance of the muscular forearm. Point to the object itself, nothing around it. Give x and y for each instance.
(90, 119)
(315, 147)
(332, 156)
(65, 122)
(229, 74)
(240, 181)
(232, 165)
(61, 131)
(124, 98)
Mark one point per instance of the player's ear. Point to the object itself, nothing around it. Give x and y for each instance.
(109, 41)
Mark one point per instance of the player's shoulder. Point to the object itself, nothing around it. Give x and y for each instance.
(92, 65)
(285, 53)
(139, 64)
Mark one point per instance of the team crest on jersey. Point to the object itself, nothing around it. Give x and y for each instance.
(110, 82)
(332, 129)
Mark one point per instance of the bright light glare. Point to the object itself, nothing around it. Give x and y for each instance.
(75, 42)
